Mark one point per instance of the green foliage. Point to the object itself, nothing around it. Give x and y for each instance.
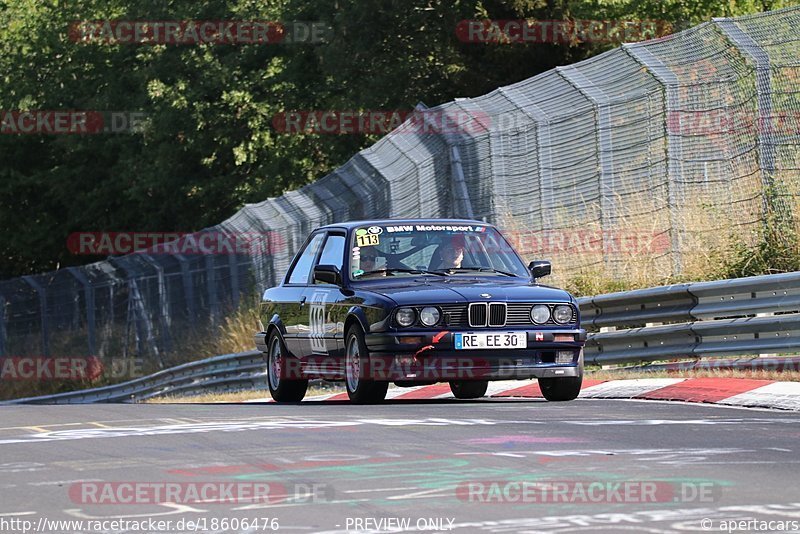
(776, 250)
(208, 146)
(596, 283)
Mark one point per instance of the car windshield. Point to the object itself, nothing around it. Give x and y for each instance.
(435, 249)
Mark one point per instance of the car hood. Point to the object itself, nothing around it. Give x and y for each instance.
(454, 290)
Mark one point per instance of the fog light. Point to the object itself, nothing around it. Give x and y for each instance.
(564, 356)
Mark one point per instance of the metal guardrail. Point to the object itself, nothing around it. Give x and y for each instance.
(243, 370)
(696, 320)
(753, 315)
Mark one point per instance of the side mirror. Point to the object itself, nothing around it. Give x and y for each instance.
(539, 268)
(328, 274)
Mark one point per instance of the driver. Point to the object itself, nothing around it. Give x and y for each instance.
(450, 253)
(369, 259)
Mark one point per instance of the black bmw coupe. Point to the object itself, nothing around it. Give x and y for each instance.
(415, 302)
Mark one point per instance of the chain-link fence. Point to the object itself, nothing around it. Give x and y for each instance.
(644, 157)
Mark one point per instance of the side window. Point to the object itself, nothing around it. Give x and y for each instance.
(333, 251)
(302, 269)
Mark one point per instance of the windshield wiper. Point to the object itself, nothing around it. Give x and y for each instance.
(391, 270)
(479, 269)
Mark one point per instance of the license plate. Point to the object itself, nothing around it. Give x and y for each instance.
(503, 340)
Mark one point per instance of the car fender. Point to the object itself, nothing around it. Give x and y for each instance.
(261, 337)
(357, 313)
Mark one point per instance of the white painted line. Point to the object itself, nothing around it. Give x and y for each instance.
(783, 395)
(63, 482)
(588, 390)
(701, 404)
(395, 392)
(371, 490)
(501, 386)
(320, 398)
(627, 388)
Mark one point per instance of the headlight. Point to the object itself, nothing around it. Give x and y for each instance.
(405, 316)
(562, 314)
(540, 314)
(429, 316)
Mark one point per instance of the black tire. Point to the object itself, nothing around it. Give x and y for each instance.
(561, 389)
(281, 388)
(469, 389)
(361, 390)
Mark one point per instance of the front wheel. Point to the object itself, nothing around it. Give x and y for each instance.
(281, 388)
(473, 389)
(561, 389)
(360, 389)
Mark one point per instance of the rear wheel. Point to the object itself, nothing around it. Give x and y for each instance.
(360, 389)
(472, 389)
(281, 388)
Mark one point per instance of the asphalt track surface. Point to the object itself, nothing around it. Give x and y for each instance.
(430, 466)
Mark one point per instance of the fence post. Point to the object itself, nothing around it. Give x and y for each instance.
(543, 150)
(211, 285)
(42, 293)
(764, 127)
(88, 293)
(2, 326)
(188, 288)
(674, 147)
(602, 106)
(164, 319)
(462, 204)
(141, 320)
(233, 266)
(461, 201)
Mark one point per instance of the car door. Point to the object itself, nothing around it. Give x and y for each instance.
(293, 312)
(322, 344)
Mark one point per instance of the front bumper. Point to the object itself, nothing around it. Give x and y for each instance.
(430, 356)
